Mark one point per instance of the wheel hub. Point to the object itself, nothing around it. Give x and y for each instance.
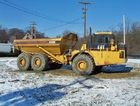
(22, 62)
(37, 62)
(82, 65)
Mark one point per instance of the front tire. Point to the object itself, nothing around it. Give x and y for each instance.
(39, 62)
(83, 64)
(24, 61)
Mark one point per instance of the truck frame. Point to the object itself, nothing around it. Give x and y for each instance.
(39, 54)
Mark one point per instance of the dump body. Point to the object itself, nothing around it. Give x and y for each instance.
(56, 46)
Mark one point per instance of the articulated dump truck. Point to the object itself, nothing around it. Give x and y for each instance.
(40, 54)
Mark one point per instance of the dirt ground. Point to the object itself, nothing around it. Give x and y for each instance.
(106, 75)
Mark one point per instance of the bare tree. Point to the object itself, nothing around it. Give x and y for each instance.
(16, 32)
(132, 36)
(3, 35)
(40, 35)
(66, 32)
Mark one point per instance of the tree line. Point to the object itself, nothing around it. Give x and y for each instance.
(6, 34)
(132, 35)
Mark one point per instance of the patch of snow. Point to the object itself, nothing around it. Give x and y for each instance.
(36, 89)
(133, 61)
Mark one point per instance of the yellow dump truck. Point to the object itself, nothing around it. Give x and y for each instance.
(39, 54)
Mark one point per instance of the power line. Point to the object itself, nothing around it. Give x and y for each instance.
(61, 25)
(80, 29)
(39, 15)
(21, 9)
(43, 16)
(31, 12)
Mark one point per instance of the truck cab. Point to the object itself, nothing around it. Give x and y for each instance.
(101, 40)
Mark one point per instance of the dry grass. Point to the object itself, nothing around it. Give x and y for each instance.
(117, 75)
(105, 75)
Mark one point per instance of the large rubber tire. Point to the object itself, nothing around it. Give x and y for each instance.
(39, 62)
(83, 64)
(24, 61)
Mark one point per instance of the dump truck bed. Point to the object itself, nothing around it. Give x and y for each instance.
(52, 45)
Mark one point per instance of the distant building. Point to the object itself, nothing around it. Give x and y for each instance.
(6, 47)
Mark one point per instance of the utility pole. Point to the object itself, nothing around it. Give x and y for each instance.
(84, 13)
(32, 34)
(124, 29)
(33, 30)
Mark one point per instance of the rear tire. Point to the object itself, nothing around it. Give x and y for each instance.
(24, 61)
(39, 62)
(83, 64)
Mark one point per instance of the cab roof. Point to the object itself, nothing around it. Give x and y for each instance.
(101, 33)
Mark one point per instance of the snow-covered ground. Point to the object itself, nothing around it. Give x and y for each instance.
(35, 89)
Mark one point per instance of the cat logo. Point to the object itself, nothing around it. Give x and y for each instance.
(101, 47)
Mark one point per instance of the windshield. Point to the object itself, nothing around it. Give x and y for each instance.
(103, 38)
